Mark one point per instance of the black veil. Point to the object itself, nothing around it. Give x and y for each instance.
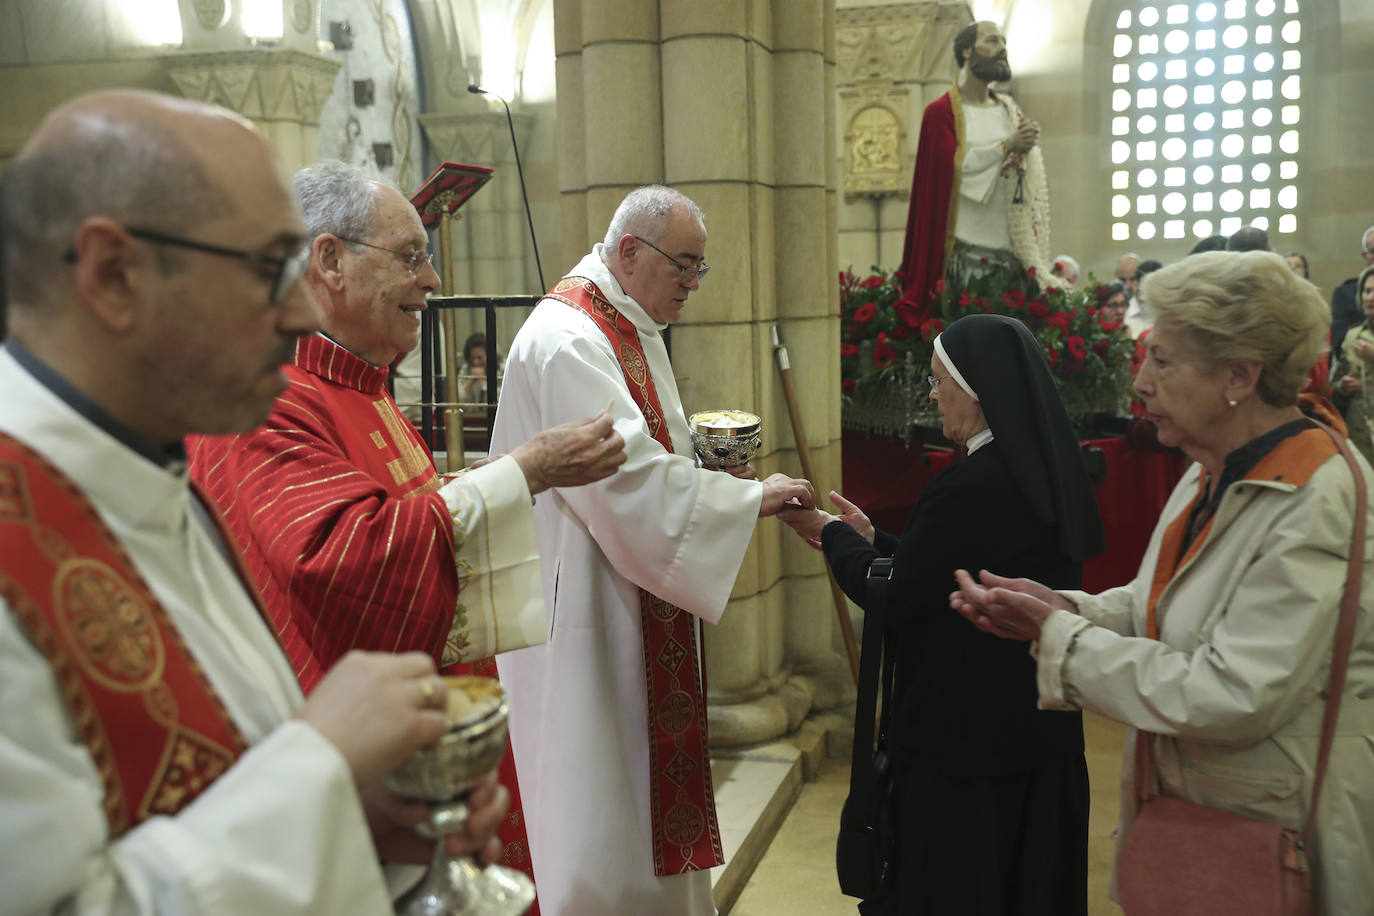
(1003, 363)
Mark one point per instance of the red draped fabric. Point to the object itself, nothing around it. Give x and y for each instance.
(929, 230)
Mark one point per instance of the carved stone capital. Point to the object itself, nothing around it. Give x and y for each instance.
(481, 138)
(900, 42)
(259, 83)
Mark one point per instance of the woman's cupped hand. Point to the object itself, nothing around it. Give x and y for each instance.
(1010, 608)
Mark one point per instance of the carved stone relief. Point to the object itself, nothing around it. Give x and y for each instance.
(260, 83)
(303, 16)
(880, 52)
(212, 13)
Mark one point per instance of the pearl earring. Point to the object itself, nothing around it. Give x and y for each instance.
(1232, 402)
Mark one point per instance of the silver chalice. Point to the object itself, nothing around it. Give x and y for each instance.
(725, 438)
(442, 776)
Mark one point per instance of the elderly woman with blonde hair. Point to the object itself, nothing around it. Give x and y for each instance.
(1219, 651)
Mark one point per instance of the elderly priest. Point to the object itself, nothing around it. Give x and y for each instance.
(348, 530)
(608, 719)
(155, 749)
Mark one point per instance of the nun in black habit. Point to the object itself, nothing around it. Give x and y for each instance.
(990, 793)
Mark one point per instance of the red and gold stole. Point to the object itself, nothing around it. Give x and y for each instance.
(154, 726)
(682, 801)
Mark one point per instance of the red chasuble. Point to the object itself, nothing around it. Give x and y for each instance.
(333, 502)
(682, 804)
(156, 730)
(934, 211)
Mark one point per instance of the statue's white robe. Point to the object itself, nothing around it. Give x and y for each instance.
(280, 832)
(578, 703)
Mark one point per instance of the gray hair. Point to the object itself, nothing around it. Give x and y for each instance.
(1233, 306)
(645, 211)
(1365, 238)
(337, 198)
(141, 175)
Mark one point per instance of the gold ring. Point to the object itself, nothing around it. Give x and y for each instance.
(427, 692)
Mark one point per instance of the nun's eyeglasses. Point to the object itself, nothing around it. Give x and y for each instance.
(935, 381)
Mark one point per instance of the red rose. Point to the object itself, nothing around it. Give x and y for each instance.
(940, 287)
(1078, 347)
(864, 313)
(1052, 289)
(847, 386)
(884, 354)
(982, 260)
(849, 349)
(1060, 320)
(1030, 273)
(871, 282)
(964, 299)
(1052, 355)
(1109, 326)
(931, 328)
(1037, 308)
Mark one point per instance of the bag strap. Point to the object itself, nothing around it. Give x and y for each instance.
(875, 622)
(1340, 651)
(1345, 626)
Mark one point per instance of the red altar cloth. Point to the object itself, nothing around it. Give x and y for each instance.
(884, 477)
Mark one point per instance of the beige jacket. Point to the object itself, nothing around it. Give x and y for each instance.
(1235, 683)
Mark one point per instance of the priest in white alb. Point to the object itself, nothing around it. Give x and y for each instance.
(608, 718)
(156, 754)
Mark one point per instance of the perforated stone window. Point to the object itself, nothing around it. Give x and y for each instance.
(1204, 117)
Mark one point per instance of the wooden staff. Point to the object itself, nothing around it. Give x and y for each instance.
(789, 393)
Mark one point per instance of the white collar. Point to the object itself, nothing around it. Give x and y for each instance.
(114, 477)
(593, 268)
(978, 440)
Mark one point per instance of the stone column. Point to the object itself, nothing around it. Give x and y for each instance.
(729, 102)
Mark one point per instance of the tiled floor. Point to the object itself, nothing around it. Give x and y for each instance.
(797, 874)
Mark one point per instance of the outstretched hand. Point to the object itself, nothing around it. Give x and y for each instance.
(571, 454)
(809, 523)
(996, 605)
(779, 489)
(854, 517)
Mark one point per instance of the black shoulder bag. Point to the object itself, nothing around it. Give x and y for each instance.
(866, 851)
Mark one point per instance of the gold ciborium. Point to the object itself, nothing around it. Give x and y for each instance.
(442, 777)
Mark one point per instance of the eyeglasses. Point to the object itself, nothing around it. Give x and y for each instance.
(414, 261)
(935, 381)
(289, 269)
(687, 273)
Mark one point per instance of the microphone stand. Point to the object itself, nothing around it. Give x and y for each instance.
(510, 122)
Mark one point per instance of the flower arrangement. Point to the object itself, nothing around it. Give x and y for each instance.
(885, 344)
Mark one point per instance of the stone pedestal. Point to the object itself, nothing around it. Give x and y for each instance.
(728, 102)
